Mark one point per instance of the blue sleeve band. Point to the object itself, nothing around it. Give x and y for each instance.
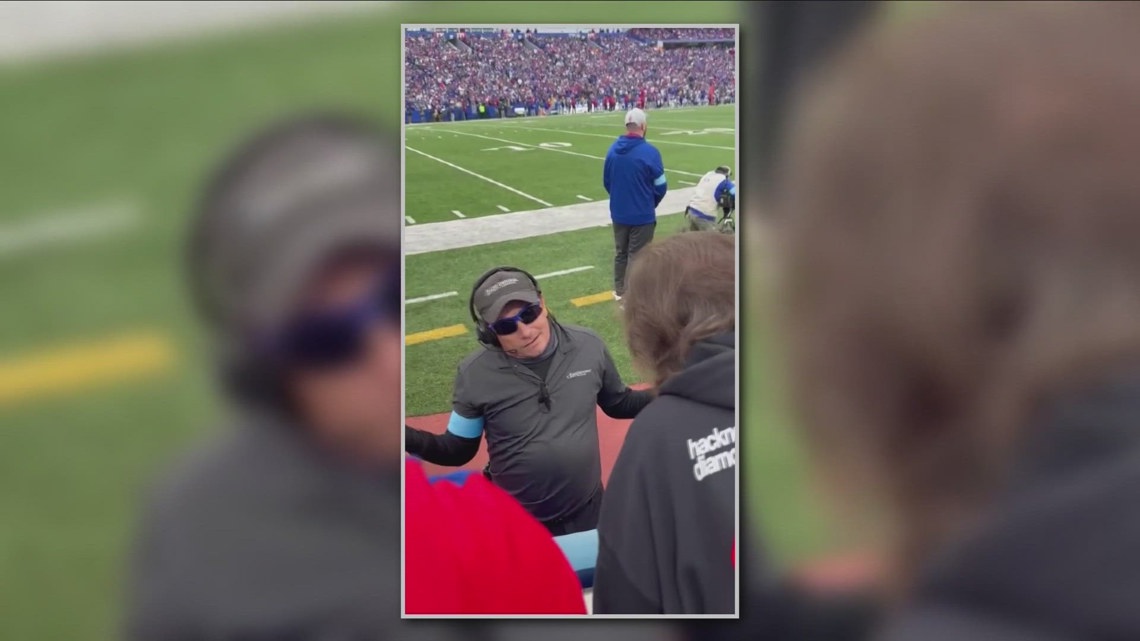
(732, 190)
(660, 180)
(465, 427)
(581, 550)
(455, 478)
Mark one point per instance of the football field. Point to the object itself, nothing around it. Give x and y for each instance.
(484, 167)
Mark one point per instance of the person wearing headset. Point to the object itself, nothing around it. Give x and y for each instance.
(531, 388)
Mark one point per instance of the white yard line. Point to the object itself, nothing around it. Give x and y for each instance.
(563, 272)
(686, 182)
(480, 176)
(471, 232)
(67, 227)
(502, 208)
(411, 221)
(458, 214)
(561, 151)
(424, 299)
(660, 128)
(654, 141)
(585, 198)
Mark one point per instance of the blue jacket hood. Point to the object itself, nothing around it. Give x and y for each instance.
(624, 144)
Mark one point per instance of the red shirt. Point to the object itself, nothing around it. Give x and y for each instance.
(470, 548)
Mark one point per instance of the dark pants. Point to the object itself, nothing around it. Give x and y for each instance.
(628, 240)
(585, 518)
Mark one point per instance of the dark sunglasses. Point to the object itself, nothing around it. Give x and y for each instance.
(510, 325)
(328, 338)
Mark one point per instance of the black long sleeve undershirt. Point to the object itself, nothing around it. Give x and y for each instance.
(440, 449)
(625, 404)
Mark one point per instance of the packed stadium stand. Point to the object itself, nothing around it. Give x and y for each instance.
(461, 74)
(653, 35)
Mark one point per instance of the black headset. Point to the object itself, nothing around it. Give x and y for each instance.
(487, 338)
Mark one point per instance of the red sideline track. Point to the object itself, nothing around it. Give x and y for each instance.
(611, 434)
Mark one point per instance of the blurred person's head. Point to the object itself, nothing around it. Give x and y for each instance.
(296, 266)
(963, 216)
(511, 313)
(679, 291)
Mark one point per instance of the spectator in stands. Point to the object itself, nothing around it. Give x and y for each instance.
(280, 527)
(508, 564)
(666, 537)
(634, 177)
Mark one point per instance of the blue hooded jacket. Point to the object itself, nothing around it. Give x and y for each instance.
(634, 177)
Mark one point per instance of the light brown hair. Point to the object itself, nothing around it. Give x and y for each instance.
(963, 222)
(679, 291)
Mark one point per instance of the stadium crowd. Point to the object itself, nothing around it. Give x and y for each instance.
(554, 73)
(683, 34)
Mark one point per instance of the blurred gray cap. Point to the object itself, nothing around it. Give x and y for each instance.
(286, 201)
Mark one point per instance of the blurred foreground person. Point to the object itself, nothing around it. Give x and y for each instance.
(517, 567)
(286, 525)
(964, 303)
(666, 538)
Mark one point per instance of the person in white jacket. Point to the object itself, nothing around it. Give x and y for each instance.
(714, 193)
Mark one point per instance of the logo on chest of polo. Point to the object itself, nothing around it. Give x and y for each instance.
(578, 374)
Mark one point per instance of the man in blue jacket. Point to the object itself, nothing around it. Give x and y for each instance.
(634, 177)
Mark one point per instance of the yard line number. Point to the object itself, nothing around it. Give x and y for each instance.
(544, 145)
(698, 132)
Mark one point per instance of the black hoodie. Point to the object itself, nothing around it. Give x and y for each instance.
(668, 522)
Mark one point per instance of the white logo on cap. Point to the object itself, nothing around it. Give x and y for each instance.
(499, 285)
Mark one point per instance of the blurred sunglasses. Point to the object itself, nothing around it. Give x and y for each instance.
(333, 337)
(510, 325)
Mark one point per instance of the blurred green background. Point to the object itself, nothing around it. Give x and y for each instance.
(125, 138)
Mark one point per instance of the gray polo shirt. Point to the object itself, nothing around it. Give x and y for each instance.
(544, 453)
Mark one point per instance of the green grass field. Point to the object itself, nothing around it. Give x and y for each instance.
(552, 161)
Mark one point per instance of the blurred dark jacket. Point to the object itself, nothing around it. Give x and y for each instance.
(1058, 556)
(259, 535)
(1055, 558)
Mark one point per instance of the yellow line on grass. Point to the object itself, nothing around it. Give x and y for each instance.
(435, 334)
(83, 365)
(592, 299)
